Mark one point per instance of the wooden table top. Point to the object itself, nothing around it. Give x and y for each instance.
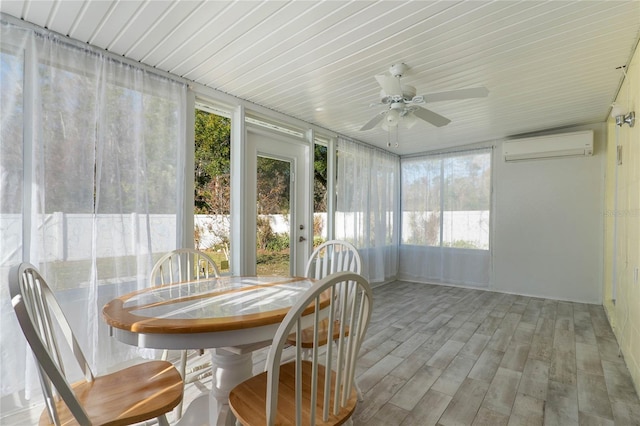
(212, 305)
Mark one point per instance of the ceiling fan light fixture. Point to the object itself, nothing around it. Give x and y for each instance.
(392, 117)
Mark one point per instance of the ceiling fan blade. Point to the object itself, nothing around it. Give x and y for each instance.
(372, 123)
(409, 120)
(472, 92)
(431, 117)
(390, 85)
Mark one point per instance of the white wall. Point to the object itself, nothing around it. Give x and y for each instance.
(548, 225)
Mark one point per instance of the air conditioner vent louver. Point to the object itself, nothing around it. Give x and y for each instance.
(552, 146)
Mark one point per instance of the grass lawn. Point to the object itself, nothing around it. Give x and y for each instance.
(273, 263)
(269, 263)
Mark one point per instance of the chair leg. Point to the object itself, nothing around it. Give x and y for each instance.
(162, 420)
(306, 353)
(182, 370)
(358, 390)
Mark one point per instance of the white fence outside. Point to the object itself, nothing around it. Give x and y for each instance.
(457, 226)
(68, 236)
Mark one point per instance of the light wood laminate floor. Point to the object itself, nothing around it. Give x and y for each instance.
(452, 356)
(438, 355)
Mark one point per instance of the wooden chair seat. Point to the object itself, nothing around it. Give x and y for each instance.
(248, 399)
(128, 396)
(306, 339)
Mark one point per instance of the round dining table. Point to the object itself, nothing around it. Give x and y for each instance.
(232, 316)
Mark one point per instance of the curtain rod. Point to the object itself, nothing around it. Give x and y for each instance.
(357, 142)
(452, 151)
(202, 91)
(64, 39)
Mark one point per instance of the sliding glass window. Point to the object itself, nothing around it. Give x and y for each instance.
(446, 205)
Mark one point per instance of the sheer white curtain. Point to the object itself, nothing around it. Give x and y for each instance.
(367, 206)
(92, 166)
(446, 211)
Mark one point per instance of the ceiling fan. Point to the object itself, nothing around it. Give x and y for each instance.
(402, 104)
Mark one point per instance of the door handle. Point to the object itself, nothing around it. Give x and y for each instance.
(301, 239)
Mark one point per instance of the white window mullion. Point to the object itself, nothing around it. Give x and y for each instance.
(331, 189)
(441, 201)
(186, 163)
(29, 133)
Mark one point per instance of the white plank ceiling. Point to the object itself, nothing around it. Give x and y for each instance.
(547, 65)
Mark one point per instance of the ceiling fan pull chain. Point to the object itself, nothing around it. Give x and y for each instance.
(397, 136)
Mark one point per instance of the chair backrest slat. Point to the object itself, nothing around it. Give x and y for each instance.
(183, 265)
(298, 382)
(349, 373)
(314, 359)
(333, 256)
(339, 368)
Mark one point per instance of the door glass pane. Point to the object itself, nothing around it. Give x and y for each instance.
(212, 187)
(319, 195)
(273, 221)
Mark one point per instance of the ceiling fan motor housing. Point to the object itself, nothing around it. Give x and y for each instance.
(408, 93)
(398, 70)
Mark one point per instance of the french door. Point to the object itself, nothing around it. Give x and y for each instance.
(277, 184)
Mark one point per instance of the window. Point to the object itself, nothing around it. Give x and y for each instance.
(446, 210)
(446, 200)
(320, 184)
(212, 221)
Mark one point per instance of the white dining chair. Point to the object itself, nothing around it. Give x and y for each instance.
(328, 258)
(318, 390)
(178, 266)
(333, 256)
(183, 265)
(131, 395)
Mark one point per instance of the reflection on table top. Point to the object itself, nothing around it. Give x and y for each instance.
(217, 304)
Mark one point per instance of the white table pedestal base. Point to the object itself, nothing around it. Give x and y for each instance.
(229, 369)
(197, 413)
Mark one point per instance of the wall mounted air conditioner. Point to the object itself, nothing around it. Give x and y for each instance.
(551, 146)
